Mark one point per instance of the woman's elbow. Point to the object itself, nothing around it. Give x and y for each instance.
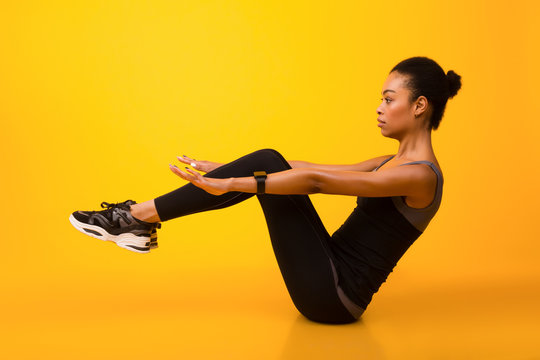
(316, 184)
(326, 183)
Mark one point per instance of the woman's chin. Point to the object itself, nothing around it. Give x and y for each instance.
(386, 133)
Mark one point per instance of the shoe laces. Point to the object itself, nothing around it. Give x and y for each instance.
(110, 208)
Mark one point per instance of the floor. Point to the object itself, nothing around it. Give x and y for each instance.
(121, 319)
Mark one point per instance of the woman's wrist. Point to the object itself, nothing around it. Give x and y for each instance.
(291, 181)
(246, 184)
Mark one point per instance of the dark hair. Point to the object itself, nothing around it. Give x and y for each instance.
(427, 78)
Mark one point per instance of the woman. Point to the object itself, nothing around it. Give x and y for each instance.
(331, 279)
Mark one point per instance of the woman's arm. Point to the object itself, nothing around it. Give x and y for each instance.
(398, 181)
(293, 181)
(366, 165)
(409, 180)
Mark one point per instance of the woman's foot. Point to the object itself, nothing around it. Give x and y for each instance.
(117, 224)
(146, 211)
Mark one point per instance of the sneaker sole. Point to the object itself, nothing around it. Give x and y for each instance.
(126, 241)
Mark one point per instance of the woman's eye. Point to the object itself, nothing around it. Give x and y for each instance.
(387, 100)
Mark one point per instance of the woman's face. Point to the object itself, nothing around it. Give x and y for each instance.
(396, 114)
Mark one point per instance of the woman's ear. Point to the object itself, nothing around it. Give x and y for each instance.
(421, 106)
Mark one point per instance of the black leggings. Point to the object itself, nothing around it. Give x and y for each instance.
(299, 238)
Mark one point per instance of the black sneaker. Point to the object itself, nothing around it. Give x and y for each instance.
(115, 224)
(153, 234)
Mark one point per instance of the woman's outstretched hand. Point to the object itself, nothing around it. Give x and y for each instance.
(201, 165)
(212, 186)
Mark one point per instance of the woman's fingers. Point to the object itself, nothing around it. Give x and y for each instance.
(174, 169)
(187, 160)
(183, 174)
(193, 172)
(212, 186)
(179, 172)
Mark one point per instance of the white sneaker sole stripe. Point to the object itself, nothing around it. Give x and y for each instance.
(122, 240)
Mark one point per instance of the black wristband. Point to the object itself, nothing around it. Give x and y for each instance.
(260, 176)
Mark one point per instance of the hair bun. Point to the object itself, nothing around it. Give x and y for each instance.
(454, 83)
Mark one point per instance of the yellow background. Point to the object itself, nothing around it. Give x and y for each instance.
(97, 97)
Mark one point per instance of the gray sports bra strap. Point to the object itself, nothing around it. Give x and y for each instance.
(384, 162)
(416, 162)
(430, 164)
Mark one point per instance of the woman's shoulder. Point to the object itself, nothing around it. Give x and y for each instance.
(390, 162)
(433, 163)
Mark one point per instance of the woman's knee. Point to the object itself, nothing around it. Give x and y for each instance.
(268, 152)
(271, 155)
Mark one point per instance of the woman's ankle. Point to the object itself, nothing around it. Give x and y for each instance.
(145, 211)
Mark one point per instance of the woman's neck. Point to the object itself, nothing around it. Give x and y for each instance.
(415, 145)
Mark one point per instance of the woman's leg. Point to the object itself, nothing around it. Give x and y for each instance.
(298, 236)
(306, 262)
(190, 199)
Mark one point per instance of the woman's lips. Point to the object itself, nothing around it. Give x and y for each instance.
(381, 123)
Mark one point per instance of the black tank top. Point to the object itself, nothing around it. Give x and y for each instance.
(375, 236)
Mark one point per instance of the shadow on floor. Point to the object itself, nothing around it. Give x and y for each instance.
(311, 340)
